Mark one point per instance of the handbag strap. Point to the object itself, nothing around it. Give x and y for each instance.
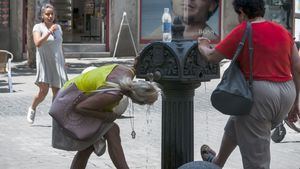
(250, 43)
(247, 33)
(242, 43)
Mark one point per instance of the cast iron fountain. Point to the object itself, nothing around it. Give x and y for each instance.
(179, 68)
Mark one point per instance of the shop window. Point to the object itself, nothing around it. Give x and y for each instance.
(83, 21)
(280, 11)
(64, 14)
(206, 15)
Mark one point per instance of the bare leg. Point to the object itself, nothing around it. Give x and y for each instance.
(81, 158)
(43, 91)
(54, 92)
(226, 148)
(115, 149)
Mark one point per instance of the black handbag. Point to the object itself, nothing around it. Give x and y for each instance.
(233, 95)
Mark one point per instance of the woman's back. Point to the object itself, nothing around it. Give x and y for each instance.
(272, 51)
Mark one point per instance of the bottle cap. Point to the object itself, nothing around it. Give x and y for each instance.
(166, 9)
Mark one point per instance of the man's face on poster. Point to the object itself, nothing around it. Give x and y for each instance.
(193, 11)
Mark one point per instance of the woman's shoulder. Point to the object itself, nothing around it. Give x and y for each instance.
(238, 30)
(275, 25)
(39, 24)
(38, 27)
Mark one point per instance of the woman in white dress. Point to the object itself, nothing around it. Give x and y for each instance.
(50, 62)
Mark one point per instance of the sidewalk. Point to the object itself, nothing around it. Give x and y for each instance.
(29, 147)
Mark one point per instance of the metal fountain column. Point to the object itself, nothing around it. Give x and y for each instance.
(179, 68)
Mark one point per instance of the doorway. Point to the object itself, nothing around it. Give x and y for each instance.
(82, 21)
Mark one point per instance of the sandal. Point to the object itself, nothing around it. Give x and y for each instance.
(207, 153)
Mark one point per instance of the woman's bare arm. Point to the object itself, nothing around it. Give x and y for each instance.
(209, 52)
(39, 39)
(96, 104)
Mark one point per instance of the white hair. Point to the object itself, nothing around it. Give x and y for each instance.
(140, 92)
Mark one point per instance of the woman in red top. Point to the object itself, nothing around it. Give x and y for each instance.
(276, 74)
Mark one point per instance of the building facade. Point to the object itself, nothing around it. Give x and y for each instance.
(91, 27)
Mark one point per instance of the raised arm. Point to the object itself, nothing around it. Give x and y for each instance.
(209, 52)
(38, 38)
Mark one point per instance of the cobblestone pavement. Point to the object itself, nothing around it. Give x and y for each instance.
(29, 147)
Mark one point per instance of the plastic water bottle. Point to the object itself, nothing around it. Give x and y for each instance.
(166, 26)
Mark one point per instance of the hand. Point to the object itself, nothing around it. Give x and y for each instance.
(202, 41)
(111, 116)
(203, 45)
(294, 114)
(53, 28)
(122, 106)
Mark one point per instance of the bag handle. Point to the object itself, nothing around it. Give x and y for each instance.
(247, 33)
(250, 45)
(242, 43)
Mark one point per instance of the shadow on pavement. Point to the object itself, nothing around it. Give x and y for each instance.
(4, 90)
(290, 142)
(40, 125)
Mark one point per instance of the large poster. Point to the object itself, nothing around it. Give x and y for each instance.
(4, 14)
(199, 17)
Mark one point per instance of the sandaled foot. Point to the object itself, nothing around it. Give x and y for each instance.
(207, 153)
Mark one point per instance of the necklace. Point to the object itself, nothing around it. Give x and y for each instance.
(131, 118)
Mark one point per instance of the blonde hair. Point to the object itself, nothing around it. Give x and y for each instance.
(140, 92)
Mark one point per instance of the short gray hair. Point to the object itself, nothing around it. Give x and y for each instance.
(43, 9)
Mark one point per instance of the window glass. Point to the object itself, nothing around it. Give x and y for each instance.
(199, 17)
(297, 6)
(280, 11)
